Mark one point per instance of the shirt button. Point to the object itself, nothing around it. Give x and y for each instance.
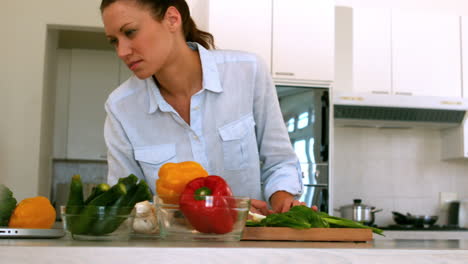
(196, 138)
(196, 108)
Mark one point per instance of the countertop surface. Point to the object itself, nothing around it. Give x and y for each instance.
(139, 250)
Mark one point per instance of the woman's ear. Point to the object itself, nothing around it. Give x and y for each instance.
(173, 19)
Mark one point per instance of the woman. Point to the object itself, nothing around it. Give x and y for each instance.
(186, 102)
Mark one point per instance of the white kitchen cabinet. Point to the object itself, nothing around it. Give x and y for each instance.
(398, 52)
(371, 51)
(426, 54)
(93, 76)
(464, 43)
(242, 25)
(303, 39)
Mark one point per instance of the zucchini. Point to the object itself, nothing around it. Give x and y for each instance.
(92, 211)
(96, 191)
(75, 202)
(122, 207)
(109, 197)
(75, 196)
(129, 181)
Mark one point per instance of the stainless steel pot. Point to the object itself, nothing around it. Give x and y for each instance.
(359, 212)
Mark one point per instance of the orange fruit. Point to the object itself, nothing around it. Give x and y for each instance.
(35, 212)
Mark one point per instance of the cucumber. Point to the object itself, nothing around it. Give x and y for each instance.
(122, 207)
(75, 196)
(129, 181)
(109, 197)
(96, 191)
(91, 212)
(75, 202)
(143, 193)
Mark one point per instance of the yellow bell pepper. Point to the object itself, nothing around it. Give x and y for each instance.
(174, 176)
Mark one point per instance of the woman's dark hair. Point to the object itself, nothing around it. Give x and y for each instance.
(159, 8)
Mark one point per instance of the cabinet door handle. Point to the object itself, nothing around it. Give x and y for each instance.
(317, 175)
(285, 73)
(380, 92)
(451, 103)
(403, 93)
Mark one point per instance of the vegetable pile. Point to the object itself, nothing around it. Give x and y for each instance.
(86, 216)
(301, 217)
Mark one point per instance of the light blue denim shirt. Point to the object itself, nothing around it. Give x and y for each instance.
(236, 128)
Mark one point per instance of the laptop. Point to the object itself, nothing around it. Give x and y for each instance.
(31, 233)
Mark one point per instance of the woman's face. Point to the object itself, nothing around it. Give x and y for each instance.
(142, 43)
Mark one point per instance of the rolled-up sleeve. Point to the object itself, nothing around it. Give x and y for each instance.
(120, 156)
(280, 170)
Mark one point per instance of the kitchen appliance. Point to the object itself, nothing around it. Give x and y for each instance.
(31, 233)
(389, 110)
(414, 220)
(396, 111)
(458, 213)
(359, 212)
(306, 112)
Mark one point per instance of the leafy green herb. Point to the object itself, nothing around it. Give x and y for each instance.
(301, 217)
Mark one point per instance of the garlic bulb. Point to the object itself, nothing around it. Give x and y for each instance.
(145, 221)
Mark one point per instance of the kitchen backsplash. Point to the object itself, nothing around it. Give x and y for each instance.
(90, 172)
(396, 170)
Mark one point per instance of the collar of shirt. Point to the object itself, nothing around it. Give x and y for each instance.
(210, 77)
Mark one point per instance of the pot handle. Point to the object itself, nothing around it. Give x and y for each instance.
(376, 210)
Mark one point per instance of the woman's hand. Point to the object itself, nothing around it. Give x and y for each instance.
(259, 207)
(282, 201)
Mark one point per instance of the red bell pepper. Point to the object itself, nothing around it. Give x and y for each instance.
(208, 205)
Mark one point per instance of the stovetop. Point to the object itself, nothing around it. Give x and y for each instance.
(422, 228)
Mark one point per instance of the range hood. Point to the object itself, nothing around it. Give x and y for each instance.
(398, 111)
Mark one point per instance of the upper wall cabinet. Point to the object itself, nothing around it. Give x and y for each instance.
(371, 64)
(464, 41)
(398, 52)
(303, 39)
(426, 54)
(295, 40)
(233, 27)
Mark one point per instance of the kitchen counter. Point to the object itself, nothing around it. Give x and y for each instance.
(422, 234)
(153, 251)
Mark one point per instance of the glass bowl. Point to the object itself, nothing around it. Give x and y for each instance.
(216, 218)
(97, 222)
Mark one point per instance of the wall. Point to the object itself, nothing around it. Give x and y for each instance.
(24, 134)
(459, 7)
(27, 85)
(394, 169)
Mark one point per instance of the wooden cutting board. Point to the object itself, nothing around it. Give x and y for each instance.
(311, 234)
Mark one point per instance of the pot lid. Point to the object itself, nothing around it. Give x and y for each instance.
(356, 204)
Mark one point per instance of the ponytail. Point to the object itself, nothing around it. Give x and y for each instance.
(193, 34)
(159, 8)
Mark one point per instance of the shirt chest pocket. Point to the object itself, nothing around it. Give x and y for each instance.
(239, 143)
(151, 158)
